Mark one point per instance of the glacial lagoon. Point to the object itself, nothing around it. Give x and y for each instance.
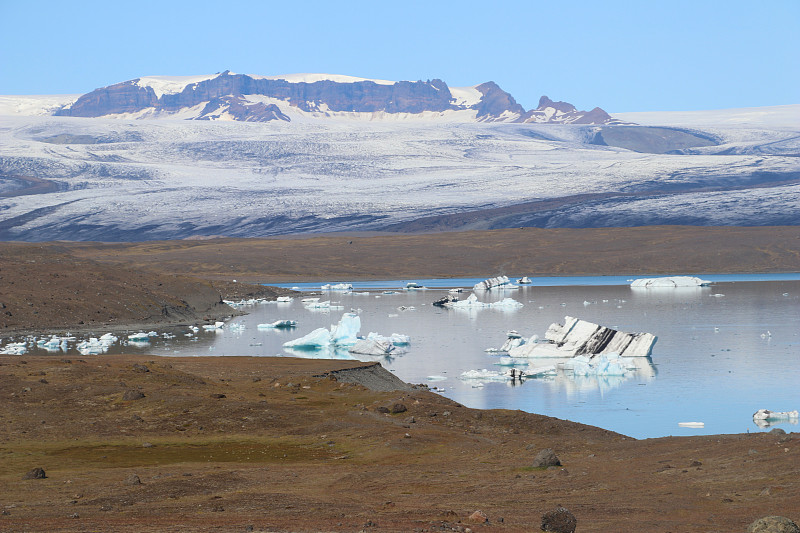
(723, 351)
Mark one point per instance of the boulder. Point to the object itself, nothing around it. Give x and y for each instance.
(478, 517)
(559, 520)
(545, 458)
(36, 473)
(773, 524)
(132, 394)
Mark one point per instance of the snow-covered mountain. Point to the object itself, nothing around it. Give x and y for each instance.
(242, 97)
(479, 162)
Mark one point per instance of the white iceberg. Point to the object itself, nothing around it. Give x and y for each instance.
(672, 281)
(139, 337)
(284, 299)
(326, 305)
(345, 333)
(765, 418)
(95, 346)
(579, 337)
(278, 324)
(317, 339)
(215, 325)
(484, 375)
(397, 339)
(472, 302)
(337, 287)
(524, 280)
(491, 283)
(14, 348)
(599, 365)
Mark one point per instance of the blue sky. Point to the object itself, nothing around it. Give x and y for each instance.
(619, 55)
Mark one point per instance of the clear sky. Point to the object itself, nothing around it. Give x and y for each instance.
(642, 55)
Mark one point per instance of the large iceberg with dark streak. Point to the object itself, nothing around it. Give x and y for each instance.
(579, 337)
(491, 283)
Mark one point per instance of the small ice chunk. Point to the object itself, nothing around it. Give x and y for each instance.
(485, 375)
(139, 337)
(278, 324)
(491, 283)
(284, 299)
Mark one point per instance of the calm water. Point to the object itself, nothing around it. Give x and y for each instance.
(723, 351)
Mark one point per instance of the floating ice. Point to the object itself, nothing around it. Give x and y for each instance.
(491, 283)
(309, 300)
(342, 334)
(510, 361)
(765, 418)
(579, 337)
(95, 346)
(540, 372)
(278, 324)
(373, 346)
(472, 302)
(14, 348)
(215, 325)
(672, 281)
(326, 305)
(284, 299)
(397, 339)
(524, 280)
(484, 375)
(140, 337)
(337, 287)
(599, 365)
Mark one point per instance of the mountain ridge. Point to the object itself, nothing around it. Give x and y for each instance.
(243, 97)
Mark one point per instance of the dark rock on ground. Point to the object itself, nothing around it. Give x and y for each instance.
(36, 473)
(133, 479)
(559, 520)
(773, 524)
(399, 408)
(131, 395)
(546, 458)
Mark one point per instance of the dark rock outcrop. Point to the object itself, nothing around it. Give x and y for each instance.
(223, 96)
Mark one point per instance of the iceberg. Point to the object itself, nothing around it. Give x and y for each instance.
(524, 280)
(323, 305)
(373, 346)
(215, 325)
(579, 337)
(484, 375)
(140, 337)
(284, 299)
(316, 340)
(491, 283)
(337, 287)
(95, 346)
(472, 302)
(342, 334)
(670, 282)
(599, 365)
(765, 418)
(397, 339)
(278, 324)
(14, 348)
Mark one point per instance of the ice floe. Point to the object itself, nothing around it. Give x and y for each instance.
(672, 281)
(579, 337)
(472, 302)
(14, 348)
(337, 287)
(342, 338)
(278, 324)
(524, 280)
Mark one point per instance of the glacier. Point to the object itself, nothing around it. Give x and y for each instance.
(120, 179)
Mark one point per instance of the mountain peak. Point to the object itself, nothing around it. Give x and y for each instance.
(230, 96)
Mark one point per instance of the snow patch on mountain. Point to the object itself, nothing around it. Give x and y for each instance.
(162, 85)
